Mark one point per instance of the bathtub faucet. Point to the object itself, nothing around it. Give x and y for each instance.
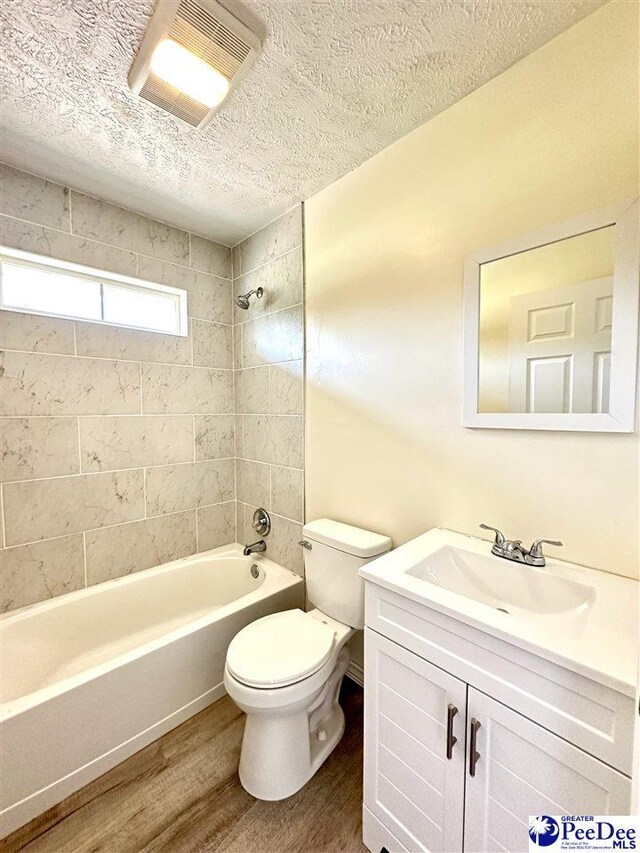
(256, 548)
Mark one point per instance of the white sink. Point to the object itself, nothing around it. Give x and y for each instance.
(570, 614)
(503, 585)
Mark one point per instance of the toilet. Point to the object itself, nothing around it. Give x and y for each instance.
(285, 670)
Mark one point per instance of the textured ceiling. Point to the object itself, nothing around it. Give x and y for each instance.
(338, 80)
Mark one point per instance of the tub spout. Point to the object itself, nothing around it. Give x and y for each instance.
(256, 548)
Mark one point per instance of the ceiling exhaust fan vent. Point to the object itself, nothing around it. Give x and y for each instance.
(173, 101)
(207, 31)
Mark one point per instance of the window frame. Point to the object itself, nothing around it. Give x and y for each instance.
(102, 277)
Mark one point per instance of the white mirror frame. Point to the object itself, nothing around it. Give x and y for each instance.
(624, 344)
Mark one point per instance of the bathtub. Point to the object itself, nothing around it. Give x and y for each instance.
(91, 677)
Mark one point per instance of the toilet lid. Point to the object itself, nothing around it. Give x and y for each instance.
(280, 649)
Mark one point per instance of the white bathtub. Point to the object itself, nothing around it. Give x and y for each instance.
(89, 678)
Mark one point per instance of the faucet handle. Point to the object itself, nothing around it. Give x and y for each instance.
(536, 548)
(499, 540)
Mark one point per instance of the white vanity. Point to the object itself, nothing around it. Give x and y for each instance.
(494, 691)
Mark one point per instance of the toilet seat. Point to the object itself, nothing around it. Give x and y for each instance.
(280, 649)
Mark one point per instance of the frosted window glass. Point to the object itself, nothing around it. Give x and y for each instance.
(36, 289)
(141, 308)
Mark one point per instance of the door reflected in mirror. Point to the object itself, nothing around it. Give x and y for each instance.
(545, 323)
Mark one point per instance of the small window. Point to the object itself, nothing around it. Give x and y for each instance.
(37, 285)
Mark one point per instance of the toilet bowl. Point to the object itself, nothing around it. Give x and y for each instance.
(285, 670)
(294, 719)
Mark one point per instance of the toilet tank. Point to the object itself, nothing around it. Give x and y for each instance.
(332, 559)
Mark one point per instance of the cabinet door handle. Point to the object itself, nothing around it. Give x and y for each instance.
(474, 755)
(451, 738)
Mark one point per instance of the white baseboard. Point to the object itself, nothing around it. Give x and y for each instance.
(356, 673)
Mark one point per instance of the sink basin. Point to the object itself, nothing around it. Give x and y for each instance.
(509, 587)
(572, 615)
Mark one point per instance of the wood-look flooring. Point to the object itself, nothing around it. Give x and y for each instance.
(181, 794)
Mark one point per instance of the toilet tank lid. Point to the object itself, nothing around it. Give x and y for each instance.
(344, 537)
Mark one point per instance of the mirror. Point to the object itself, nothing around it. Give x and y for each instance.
(551, 327)
(545, 327)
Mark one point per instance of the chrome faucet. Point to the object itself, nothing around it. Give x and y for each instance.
(511, 549)
(256, 548)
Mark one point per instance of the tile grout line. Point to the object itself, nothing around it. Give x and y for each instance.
(119, 524)
(84, 554)
(303, 507)
(71, 190)
(235, 357)
(120, 470)
(274, 464)
(266, 263)
(268, 364)
(80, 471)
(116, 248)
(262, 316)
(102, 324)
(116, 360)
(4, 522)
(266, 225)
(126, 415)
(235, 520)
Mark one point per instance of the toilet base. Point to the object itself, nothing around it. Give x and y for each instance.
(280, 753)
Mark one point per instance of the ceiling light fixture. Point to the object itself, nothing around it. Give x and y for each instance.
(193, 53)
(186, 72)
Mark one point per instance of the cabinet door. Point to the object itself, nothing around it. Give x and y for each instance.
(524, 770)
(411, 786)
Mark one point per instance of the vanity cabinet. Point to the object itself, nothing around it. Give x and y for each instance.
(522, 770)
(413, 709)
(457, 757)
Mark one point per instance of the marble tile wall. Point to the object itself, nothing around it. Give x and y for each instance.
(269, 376)
(118, 446)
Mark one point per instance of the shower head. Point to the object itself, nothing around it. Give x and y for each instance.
(242, 301)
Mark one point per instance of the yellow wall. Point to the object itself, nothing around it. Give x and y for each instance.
(552, 137)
